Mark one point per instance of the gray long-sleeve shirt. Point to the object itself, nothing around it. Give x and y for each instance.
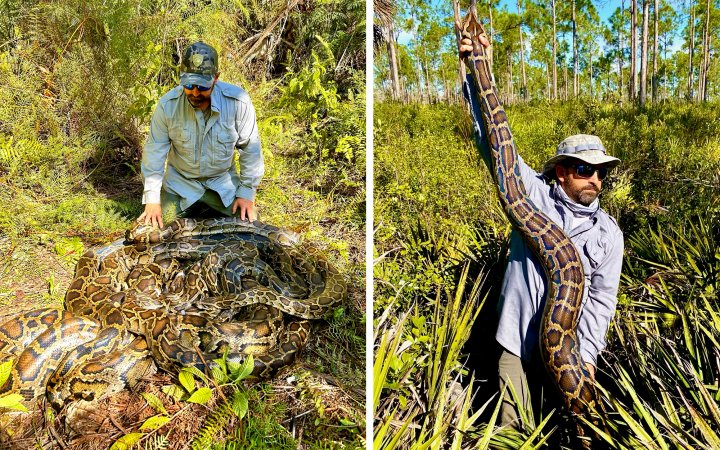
(200, 153)
(600, 244)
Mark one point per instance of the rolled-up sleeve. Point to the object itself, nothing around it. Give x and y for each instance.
(602, 301)
(252, 166)
(154, 156)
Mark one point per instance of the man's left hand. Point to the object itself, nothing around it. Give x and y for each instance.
(246, 208)
(591, 370)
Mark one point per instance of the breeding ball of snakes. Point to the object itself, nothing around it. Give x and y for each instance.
(180, 296)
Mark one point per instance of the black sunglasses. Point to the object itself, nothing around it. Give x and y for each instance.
(587, 171)
(190, 87)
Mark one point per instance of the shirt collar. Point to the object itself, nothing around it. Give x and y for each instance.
(575, 208)
(216, 97)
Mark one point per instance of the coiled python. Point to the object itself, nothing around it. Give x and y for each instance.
(176, 297)
(559, 257)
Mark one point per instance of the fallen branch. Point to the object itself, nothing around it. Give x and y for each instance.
(260, 38)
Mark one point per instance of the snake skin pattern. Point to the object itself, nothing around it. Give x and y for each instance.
(177, 297)
(563, 268)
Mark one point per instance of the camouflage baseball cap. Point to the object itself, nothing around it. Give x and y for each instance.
(199, 65)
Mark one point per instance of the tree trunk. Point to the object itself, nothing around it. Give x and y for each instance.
(644, 52)
(446, 91)
(548, 82)
(461, 67)
(523, 87)
(591, 75)
(419, 70)
(509, 90)
(706, 89)
(427, 77)
(461, 80)
(706, 56)
(565, 73)
(392, 58)
(655, 54)
(665, 80)
(490, 38)
(633, 50)
(701, 75)
(607, 86)
(621, 55)
(554, 52)
(419, 95)
(691, 52)
(576, 63)
(701, 71)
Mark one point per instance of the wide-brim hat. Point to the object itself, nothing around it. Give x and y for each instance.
(584, 147)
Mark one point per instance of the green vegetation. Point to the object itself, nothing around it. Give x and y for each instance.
(440, 234)
(81, 79)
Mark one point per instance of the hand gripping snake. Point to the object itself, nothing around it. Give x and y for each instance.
(132, 306)
(559, 345)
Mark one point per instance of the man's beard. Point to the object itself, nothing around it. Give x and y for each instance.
(196, 101)
(586, 195)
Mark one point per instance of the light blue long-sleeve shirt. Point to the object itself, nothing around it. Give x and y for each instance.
(200, 154)
(522, 299)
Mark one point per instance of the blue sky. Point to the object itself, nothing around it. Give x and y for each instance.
(605, 8)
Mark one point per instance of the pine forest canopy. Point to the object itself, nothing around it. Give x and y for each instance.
(558, 50)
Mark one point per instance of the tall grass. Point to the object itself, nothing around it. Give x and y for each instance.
(417, 369)
(665, 341)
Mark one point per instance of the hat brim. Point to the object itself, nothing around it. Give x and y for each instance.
(196, 78)
(594, 157)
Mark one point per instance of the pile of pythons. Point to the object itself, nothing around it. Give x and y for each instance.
(182, 296)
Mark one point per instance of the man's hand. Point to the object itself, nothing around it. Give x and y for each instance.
(152, 215)
(246, 208)
(465, 45)
(591, 370)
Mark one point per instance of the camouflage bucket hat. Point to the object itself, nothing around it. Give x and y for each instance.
(199, 65)
(584, 147)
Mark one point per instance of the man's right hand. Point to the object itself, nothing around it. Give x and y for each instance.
(465, 47)
(152, 215)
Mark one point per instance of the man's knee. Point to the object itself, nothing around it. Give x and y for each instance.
(171, 208)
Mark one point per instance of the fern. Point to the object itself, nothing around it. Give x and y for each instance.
(346, 332)
(9, 152)
(214, 424)
(158, 442)
(21, 151)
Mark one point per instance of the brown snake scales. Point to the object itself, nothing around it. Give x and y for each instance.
(177, 297)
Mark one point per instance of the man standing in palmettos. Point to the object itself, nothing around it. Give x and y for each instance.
(567, 192)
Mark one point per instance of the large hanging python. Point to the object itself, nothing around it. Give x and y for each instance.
(559, 345)
(181, 296)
